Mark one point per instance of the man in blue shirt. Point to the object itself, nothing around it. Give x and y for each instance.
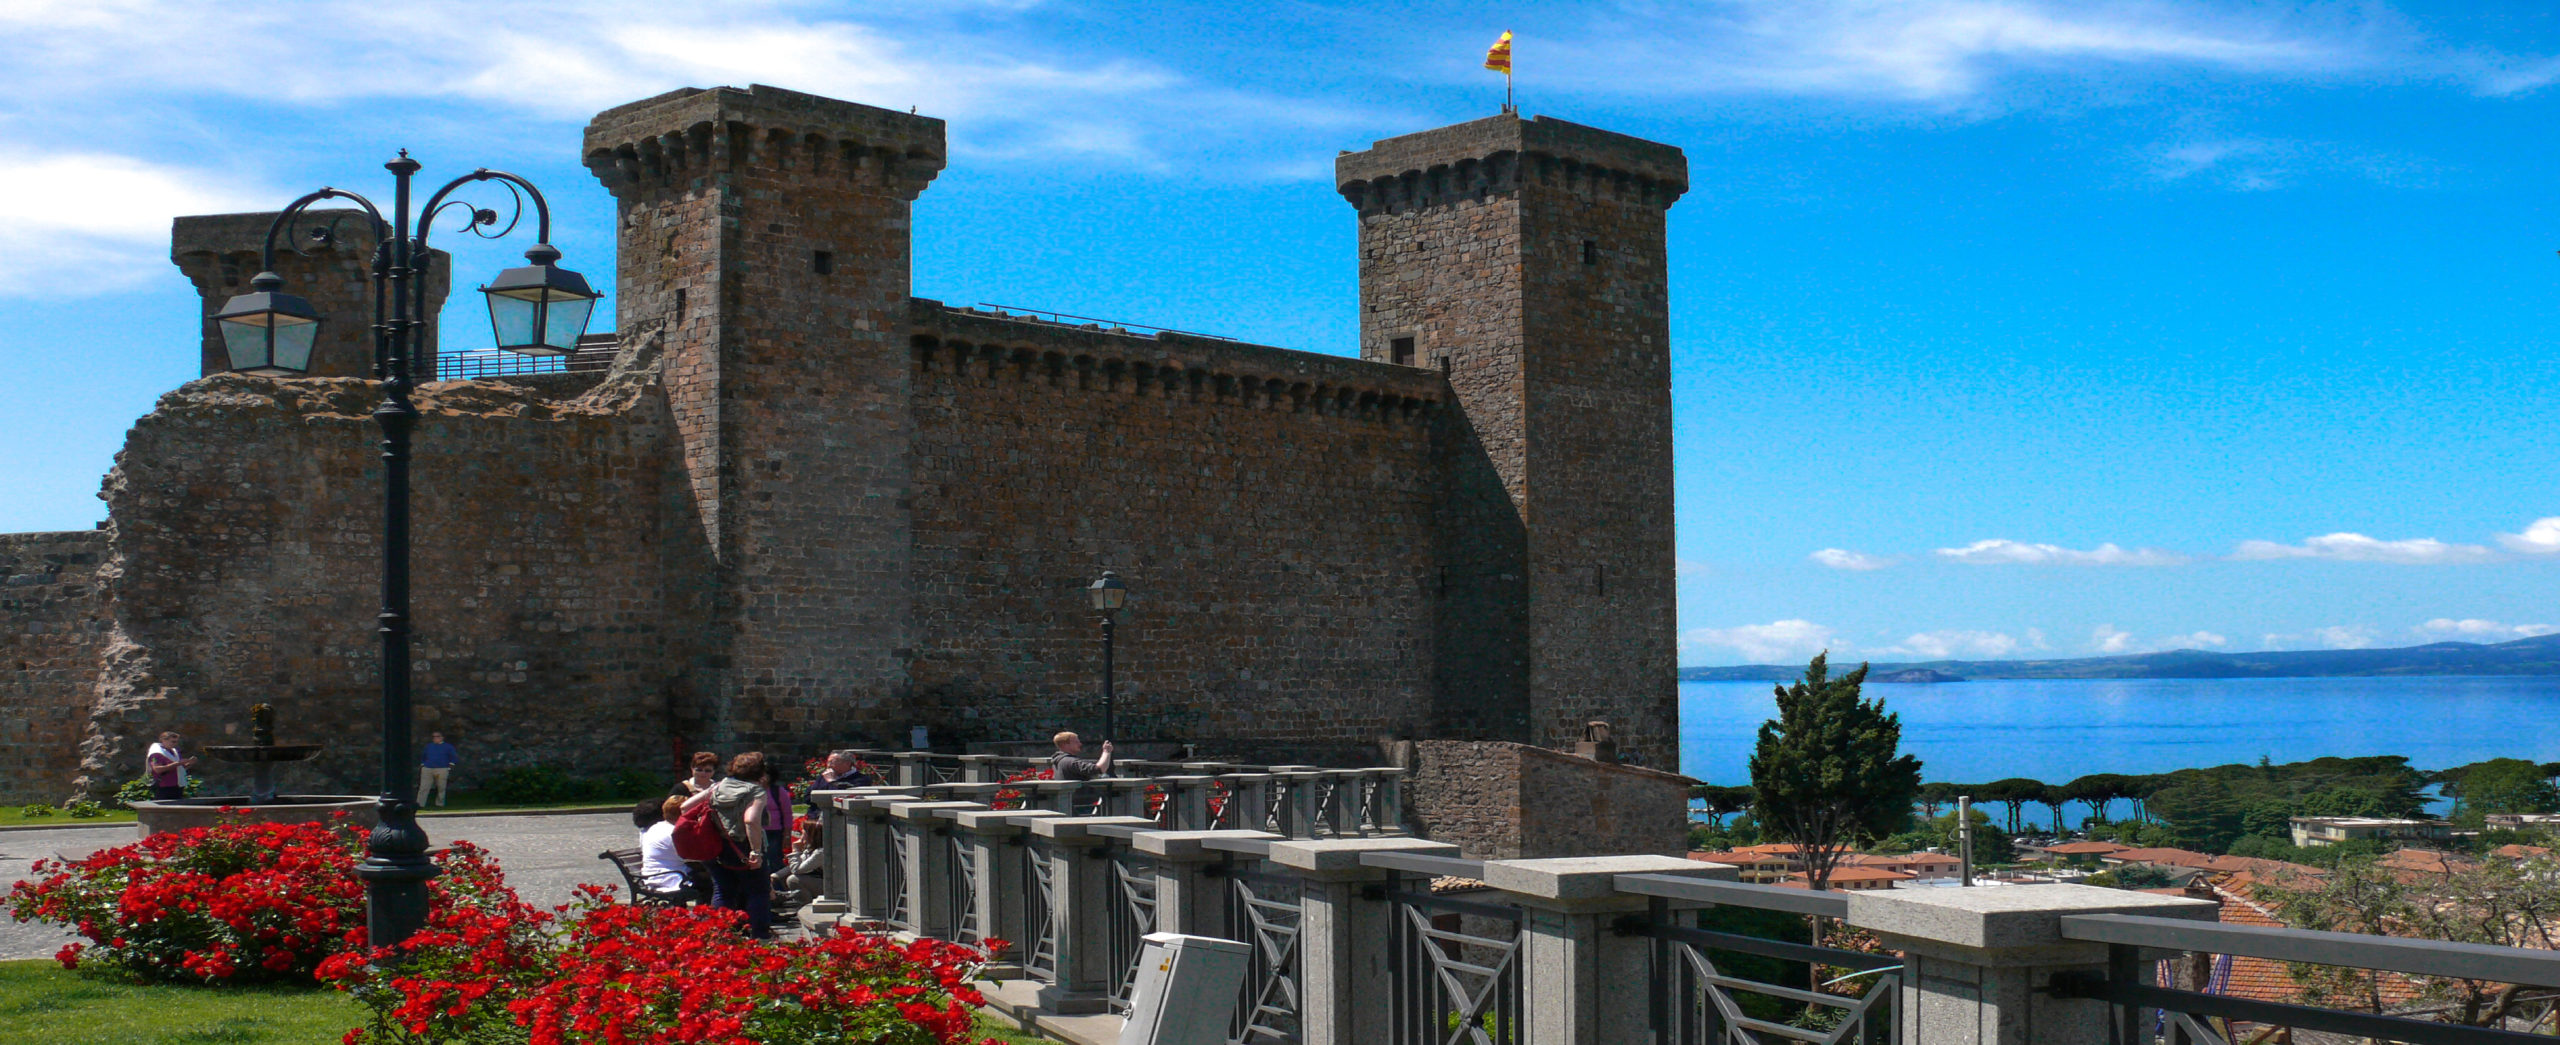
(433, 767)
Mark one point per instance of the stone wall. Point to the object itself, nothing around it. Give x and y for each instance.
(246, 568)
(1501, 800)
(52, 624)
(1270, 511)
(221, 253)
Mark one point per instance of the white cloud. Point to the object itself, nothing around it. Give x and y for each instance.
(74, 223)
(2260, 164)
(2005, 552)
(2192, 640)
(1941, 645)
(2335, 636)
(1778, 642)
(2541, 538)
(2356, 547)
(1844, 559)
(2110, 639)
(2480, 630)
(1931, 51)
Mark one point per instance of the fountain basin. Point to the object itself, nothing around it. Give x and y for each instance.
(180, 814)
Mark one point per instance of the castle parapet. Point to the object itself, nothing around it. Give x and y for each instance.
(1498, 154)
(993, 346)
(683, 133)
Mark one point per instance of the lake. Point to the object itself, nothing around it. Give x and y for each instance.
(2054, 730)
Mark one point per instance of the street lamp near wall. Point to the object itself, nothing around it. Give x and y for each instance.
(538, 309)
(1108, 595)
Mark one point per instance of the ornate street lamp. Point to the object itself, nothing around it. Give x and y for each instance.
(1108, 595)
(538, 309)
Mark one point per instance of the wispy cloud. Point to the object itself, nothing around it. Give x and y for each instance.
(2356, 547)
(2335, 636)
(1777, 642)
(2480, 630)
(1934, 51)
(81, 222)
(2541, 538)
(2015, 553)
(2262, 164)
(1941, 645)
(2109, 639)
(1844, 559)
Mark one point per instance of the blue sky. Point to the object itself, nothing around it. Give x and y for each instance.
(2000, 328)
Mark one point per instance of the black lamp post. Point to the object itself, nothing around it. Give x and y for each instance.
(538, 309)
(1108, 595)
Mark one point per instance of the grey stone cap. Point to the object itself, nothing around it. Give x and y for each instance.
(1479, 139)
(1343, 854)
(247, 233)
(1585, 877)
(762, 106)
(926, 810)
(1078, 828)
(990, 820)
(2006, 916)
(1186, 845)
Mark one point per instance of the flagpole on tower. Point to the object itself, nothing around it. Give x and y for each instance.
(1498, 59)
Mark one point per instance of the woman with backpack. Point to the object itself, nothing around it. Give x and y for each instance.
(738, 878)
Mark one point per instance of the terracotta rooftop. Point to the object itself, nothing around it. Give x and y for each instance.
(2164, 856)
(2424, 861)
(2085, 848)
(2517, 851)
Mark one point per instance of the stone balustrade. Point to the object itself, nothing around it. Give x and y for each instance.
(1354, 945)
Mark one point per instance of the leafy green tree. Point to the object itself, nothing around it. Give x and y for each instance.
(2014, 792)
(2202, 810)
(1721, 802)
(2496, 903)
(1937, 794)
(1828, 771)
(2095, 790)
(2502, 785)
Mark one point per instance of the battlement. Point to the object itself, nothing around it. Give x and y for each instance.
(1001, 346)
(1499, 154)
(682, 133)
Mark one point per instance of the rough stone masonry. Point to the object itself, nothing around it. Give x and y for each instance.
(807, 509)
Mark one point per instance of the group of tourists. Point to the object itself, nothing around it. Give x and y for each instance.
(760, 857)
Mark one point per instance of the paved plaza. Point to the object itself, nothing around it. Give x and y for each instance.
(545, 857)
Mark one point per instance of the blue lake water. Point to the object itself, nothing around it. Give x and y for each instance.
(2054, 730)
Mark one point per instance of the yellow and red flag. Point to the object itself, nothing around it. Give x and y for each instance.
(1498, 57)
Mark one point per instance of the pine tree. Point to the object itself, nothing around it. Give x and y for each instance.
(1827, 770)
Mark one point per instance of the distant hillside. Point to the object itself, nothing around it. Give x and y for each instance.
(2534, 656)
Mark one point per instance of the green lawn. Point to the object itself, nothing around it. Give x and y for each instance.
(10, 816)
(44, 1004)
(41, 1003)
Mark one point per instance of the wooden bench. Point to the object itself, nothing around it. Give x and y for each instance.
(627, 861)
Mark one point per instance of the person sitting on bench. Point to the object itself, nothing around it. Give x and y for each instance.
(661, 872)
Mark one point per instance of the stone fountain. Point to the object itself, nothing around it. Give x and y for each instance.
(262, 804)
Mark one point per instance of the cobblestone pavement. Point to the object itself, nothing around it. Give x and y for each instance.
(545, 857)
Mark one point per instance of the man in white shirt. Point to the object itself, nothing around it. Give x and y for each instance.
(167, 767)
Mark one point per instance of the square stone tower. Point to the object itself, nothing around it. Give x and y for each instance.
(763, 252)
(1525, 259)
(333, 270)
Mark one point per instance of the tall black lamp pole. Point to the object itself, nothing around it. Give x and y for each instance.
(539, 309)
(1108, 596)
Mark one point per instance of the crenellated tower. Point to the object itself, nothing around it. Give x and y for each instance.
(763, 250)
(1525, 260)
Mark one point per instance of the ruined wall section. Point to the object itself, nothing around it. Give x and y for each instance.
(1266, 507)
(247, 568)
(1503, 801)
(783, 218)
(53, 621)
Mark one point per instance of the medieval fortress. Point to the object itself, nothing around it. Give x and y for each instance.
(802, 508)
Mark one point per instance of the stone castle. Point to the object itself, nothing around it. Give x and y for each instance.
(802, 508)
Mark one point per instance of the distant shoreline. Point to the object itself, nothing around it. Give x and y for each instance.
(2522, 658)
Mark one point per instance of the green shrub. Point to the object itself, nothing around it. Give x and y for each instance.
(138, 789)
(35, 809)
(85, 809)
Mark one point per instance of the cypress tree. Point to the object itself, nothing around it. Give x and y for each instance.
(1827, 771)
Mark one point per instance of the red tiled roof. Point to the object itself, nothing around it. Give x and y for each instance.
(2164, 856)
(2516, 851)
(1845, 873)
(2085, 848)
(2261, 979)
(2424, 861)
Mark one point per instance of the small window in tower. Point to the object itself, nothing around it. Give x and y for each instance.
(823, 263)
(1600, 580)
(1591, 252)
(1401, 351)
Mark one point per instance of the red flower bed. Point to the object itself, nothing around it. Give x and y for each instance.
(624, 975)
(230, 902)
